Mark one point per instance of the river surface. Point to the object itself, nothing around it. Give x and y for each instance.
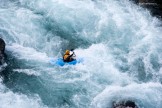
(120, 42)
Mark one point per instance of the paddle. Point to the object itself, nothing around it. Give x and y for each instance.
(73, 52)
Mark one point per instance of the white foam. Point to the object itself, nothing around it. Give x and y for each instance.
(3, 66)
(98, 61)
(8, 99)
(27, 71)
(27, 53)
(115, 29)
(145, 95)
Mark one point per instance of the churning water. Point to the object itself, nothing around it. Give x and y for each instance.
(119, 42)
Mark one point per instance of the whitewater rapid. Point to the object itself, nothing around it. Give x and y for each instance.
(119, 41)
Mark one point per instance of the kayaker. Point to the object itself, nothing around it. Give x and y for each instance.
(69, 57)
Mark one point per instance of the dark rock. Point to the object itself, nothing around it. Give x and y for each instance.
(155, 6)
(124, 104)
(154, 9)
(2, 51)
(2, 45)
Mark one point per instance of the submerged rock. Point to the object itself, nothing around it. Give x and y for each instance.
(2, 51)
(124, 104)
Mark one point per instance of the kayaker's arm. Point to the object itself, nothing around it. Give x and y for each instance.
(71, 55)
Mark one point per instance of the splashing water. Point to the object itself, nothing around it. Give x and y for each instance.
(119, 41)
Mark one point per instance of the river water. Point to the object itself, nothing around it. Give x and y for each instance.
(119, 41)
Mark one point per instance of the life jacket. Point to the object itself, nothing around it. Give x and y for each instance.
(66, 57)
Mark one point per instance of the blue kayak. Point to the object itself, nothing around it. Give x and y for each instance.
(60, 62)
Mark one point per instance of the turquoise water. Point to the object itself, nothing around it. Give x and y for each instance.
(119, 41)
